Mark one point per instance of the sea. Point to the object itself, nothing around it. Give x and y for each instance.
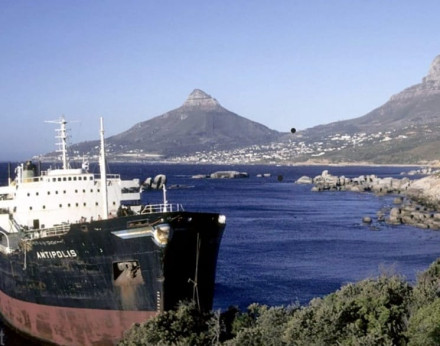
(283, 243)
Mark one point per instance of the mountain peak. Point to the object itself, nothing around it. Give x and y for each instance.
(430, 85)
(200, 99)
(434, 71)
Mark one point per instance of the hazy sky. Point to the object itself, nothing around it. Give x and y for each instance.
(293, 63)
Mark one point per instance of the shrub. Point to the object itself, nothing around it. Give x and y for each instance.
(424, 325)
(427, 288)
(184, 326)
(260, 325)
(366, 313)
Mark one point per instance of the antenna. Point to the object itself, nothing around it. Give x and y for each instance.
(62, 136)
(103, 171)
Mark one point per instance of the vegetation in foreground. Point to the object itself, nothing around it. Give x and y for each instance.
(381, 311)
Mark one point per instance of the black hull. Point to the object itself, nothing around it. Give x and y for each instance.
(109, 274)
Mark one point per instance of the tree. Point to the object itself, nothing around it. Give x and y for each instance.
(184, 326)
(424, 325)
(370, 312)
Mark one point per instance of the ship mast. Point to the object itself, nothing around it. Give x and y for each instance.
(103, 170)
(62, 136)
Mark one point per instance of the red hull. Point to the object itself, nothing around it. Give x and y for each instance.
(69, 326)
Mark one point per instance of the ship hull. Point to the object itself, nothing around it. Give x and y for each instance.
(60, 325)
(89, 285)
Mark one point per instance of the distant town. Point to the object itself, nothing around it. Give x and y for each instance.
(293, 150)
(290, 151)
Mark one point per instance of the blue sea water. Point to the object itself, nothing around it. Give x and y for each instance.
(285, 244)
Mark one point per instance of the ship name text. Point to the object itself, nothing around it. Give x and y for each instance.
(56, 254)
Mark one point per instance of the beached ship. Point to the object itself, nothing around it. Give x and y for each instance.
(81, 259)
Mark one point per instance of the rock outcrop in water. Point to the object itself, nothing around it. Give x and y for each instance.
(329, 182)
(222, 175)
(418, 203)
(228, 175)
(422, 206)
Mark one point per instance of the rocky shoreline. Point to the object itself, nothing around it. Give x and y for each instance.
(417, 201)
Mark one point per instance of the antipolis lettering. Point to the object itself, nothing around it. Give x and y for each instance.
(56, 254)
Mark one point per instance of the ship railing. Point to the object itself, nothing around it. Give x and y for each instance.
(48, 232)
(109, 176)
(160, 208)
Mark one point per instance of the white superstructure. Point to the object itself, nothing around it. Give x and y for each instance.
(45, 199)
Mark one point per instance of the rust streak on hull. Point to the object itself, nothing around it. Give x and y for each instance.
(69, 326)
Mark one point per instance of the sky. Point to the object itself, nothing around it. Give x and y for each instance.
(282, 63)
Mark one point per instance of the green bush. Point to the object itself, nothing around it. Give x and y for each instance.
(260, 325)
(368, 312)
(427, 288)
(381, 311)
(424, 325)
(184, 326)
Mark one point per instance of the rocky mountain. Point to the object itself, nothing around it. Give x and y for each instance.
(200, 124)
(403, 130)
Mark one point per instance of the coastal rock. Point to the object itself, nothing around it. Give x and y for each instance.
(326, 181)
(367, 220)
(200, 176)
(395, 216)
(422, 171)
(155, 183)
(398, 200)
(380, 215)
(420, 206)
(426, 191)
(228, 175)
(304, 180)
